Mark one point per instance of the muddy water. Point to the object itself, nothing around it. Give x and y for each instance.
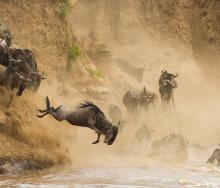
(192, 174)
(122, 178)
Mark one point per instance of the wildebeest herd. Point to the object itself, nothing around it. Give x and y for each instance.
(89, 115)
(136, 99)
(18, 70)
(18, 67)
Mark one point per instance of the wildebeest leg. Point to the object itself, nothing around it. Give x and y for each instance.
(154, 109)
(41, 116)
(163, 102)
(97, 141)
(129, 116)
(11, 97)
(92, 126)
(173, 101)
(214, 157)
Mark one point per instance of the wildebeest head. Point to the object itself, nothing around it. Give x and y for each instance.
(37, 78)
(169, 79)
(22, 83)
(111, 134)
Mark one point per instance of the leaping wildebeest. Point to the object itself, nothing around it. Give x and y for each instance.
(166, 85)
(86, 115)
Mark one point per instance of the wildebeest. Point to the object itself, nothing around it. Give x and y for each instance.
(215, 157)
(166, 85)
(11, 79)
(5, 34)
(134, 99)
(86, 115)
(115, 112)
(116, 115)
(25, 63)
(134, 71)
(170, 148)
(143, 133)
(3, 52)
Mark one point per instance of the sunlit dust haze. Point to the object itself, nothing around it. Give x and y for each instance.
(180, 36)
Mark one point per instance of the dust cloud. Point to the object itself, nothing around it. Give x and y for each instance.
(119, 29)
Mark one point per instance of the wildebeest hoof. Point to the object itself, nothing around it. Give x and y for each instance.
(95, 142)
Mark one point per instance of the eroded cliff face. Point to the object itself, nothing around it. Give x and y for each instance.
(186, 25)
(34, 25)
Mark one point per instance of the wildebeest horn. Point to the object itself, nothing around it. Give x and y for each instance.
(48, 102)
(163, 70)
(176, 75)
(119, 123)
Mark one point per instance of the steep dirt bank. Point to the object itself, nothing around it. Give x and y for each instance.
(34, 143)
(34, 25)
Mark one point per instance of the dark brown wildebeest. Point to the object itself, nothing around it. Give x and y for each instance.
(143, 133)
(115, 112)
(25, 63)
(5, 34)
(86, 115)
(129, 68)
(215, 157)
(116, 115)
(3, 52)
(11, 79)
(166, 85)
(133, 99)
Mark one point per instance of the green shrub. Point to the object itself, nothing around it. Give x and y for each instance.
(74, 53)
(97, 73)
(64, 8)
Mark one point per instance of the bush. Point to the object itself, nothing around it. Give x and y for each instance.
(97, 73)
(64, 8)
(73, 54)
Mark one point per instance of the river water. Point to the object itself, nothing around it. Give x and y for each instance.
(152, 177)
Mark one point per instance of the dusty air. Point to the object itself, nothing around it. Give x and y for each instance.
(112, 94)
